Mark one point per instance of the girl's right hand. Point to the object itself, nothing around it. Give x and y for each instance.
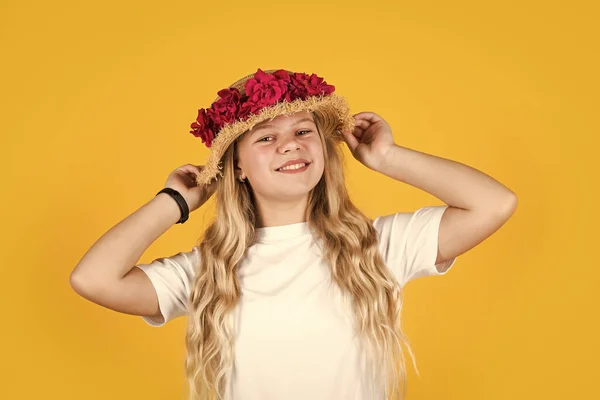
(183, 179)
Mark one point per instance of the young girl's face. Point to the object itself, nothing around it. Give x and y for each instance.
(270, 144)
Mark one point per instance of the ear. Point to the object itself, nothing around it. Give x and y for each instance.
(238, 172)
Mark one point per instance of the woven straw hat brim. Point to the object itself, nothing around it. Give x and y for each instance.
(332, 104)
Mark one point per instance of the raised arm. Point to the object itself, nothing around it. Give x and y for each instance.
(106, 274)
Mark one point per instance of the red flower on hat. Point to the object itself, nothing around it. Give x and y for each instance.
(225, 110)
(266, 89)
(227, 105)
(305, 85)
(205, 127)
(262, 90)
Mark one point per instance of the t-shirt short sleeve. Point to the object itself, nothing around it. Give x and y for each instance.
(408, 242)
(172, 278)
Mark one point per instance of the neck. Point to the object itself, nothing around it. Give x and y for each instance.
(281, 212)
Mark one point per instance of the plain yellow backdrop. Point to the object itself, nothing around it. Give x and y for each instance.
(97, 98)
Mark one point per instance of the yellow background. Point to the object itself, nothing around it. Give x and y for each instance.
(97, 99)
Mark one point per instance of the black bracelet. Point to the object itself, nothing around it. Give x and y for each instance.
(183, 207)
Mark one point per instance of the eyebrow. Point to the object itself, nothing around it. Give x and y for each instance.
(306, 119)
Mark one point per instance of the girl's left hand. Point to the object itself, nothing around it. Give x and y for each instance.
(370, 139)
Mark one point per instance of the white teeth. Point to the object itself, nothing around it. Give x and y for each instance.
(290, 167)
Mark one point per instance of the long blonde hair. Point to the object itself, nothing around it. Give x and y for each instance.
(349, 248)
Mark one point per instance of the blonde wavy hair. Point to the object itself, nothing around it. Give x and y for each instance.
(349, 248)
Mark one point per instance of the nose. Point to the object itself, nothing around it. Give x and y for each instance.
(289, 144)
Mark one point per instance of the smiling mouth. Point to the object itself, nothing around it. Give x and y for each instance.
(295, 168)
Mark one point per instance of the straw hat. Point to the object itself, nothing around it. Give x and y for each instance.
(258, 97)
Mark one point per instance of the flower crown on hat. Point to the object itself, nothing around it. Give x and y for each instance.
(255, 98)
(260, 91)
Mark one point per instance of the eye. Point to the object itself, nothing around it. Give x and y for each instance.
(267, 137)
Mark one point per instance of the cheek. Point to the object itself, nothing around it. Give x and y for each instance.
(317, 151)
(260, 162)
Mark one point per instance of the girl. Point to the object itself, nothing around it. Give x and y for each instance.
(292, 292)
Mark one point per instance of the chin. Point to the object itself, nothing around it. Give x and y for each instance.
(295, 189)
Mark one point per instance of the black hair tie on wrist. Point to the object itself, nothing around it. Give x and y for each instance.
(183, 207)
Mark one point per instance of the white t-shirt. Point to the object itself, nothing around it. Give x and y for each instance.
(295, 337)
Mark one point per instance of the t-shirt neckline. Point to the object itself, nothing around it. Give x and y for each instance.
(282, 232)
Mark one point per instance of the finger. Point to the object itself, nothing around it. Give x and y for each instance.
(186, 167)
(358, 134)
(359, 130)
(367, 116)
(362, 124)
(189, 171)
(191, 168)
(351, 141)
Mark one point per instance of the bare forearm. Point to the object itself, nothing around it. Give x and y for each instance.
(118, 250)
(454, 183)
